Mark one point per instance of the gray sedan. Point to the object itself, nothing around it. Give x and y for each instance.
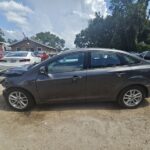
(83, 74)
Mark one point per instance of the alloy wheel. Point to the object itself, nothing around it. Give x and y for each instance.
(132, 97)
(18, 100)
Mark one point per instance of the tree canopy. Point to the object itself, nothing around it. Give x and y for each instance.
(127, 28)
(49, 39)
(2, 36)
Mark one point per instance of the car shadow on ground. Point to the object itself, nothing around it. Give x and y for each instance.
(72, 106)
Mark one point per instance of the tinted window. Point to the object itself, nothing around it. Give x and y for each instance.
(104, 59)
(128, 60)
(17, 54)
(72, 62)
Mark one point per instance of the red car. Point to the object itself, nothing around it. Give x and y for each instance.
(42, 55)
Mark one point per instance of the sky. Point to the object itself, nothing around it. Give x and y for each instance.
(64, 18)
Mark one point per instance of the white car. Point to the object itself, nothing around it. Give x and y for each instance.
(18, 58)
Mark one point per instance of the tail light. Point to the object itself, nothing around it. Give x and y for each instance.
(24, 60)
(3, 60)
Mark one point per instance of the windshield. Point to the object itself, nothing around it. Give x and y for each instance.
(17, 54)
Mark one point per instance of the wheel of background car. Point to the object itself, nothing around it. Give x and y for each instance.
(19, 99)
(131, 97)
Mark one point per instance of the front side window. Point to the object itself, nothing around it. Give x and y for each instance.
(101, 59)
(68, 63)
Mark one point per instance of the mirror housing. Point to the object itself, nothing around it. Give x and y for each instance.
(43, 70)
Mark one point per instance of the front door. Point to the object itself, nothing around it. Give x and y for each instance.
(65, 79)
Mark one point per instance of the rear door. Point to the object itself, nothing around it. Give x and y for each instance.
(105, 75)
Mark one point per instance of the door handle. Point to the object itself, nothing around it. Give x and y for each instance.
(120, 74)
(75, 78)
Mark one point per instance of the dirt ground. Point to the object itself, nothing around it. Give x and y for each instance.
(97, 126)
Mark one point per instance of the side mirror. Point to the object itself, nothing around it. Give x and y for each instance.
(43, 70)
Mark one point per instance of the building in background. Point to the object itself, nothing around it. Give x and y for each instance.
(28, 44)
(4, 46)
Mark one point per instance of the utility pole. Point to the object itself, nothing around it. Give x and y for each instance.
(24, 35)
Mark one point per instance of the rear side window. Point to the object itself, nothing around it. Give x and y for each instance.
(100, 59)
(128, 60)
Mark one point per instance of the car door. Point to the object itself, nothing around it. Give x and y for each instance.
(105, 75)
(66, 78)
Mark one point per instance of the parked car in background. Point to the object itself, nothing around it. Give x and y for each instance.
(3, 53)
(18, 58)
(43, 55)
(145, 55)
(84, 74)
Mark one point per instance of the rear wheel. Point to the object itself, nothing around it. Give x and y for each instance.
(132, 97)
(19, 99)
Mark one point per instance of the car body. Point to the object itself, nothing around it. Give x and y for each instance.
(82, 75)
(18, 58)
(43, 55)
(3, 53)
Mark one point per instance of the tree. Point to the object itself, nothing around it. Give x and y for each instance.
(2, 36)
(49, 39)
(11, 41)
(126, 27)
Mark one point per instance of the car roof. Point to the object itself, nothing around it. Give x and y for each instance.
(93, 49)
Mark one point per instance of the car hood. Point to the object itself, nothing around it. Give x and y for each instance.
(15, 71)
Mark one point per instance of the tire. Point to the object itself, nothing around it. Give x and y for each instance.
(128, 100)
(24, 103)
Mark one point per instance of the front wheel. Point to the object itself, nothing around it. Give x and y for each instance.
(19, 99)
(132, 97)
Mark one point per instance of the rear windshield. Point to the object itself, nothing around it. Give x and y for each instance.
(17, 54)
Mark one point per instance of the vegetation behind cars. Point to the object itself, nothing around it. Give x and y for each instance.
(126, 28)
